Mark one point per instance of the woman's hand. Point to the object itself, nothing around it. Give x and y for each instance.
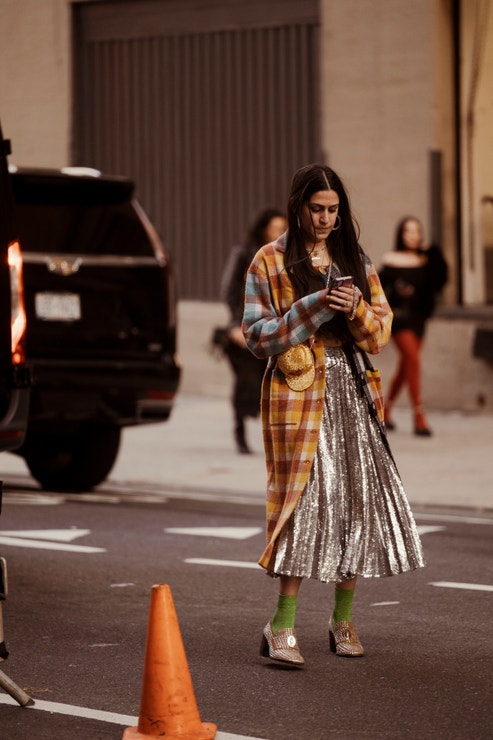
(236, 336)
(403, 288)
(341, 299)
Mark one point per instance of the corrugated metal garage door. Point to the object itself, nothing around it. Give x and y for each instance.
(209, 106)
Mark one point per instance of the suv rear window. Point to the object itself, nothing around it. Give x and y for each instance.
(88, 217)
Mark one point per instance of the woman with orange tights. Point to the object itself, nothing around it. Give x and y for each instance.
(412, 275)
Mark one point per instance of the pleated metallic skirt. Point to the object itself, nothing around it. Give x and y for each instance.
(353, 518)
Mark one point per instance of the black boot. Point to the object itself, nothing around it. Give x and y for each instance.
(241, 443)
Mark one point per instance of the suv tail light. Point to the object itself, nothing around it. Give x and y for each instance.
(18, 315)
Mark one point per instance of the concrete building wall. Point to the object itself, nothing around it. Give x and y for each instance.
(377, 122)
(476, 121)
(35, 80)
(444, 138)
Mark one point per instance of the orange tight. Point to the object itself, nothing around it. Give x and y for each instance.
(408, 370)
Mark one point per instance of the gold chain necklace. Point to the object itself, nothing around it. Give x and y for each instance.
(316, 258)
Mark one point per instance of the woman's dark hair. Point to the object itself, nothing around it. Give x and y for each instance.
(399, 242)
(256, 234)
(343, 241)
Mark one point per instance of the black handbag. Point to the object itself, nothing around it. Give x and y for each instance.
(220, 338)
(220, 342)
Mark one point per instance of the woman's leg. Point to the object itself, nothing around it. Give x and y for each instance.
(343, 639)
(396, 383)
(343, 601)
(236, 356)
(410, 347)
(398, 378)
(290, 585)
(279, 641)
(285, 614)
(240, 434)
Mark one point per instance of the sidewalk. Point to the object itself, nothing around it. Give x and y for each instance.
(194, 453)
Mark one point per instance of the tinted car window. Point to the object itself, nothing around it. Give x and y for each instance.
(78, 216)
(69, 229)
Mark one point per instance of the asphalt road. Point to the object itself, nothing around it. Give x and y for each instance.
(80, 575)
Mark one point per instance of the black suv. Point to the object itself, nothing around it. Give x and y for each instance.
(14, 375)
(101, 321)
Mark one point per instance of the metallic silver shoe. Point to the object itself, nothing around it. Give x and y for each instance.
(282, 646)
(343, 640)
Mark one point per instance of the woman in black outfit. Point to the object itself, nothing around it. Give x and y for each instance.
(412, 275)
(248, 370)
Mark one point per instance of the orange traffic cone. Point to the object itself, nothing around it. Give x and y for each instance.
(168, 708)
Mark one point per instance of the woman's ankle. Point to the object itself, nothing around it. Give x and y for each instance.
(421, 427)
(420, 421)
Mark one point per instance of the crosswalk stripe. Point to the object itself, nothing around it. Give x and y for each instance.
(43, 545)
(467, 586)
(232, 533)
(226, 563)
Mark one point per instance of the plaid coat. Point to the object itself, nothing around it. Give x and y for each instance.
(272, 322)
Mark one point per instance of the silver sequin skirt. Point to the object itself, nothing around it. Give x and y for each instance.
(353, 518)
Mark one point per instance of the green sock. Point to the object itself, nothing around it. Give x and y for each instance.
(342, 605)
(285, 613)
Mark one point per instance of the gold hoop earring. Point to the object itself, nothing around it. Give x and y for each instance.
(334, 228)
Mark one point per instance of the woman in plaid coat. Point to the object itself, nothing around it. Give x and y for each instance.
(336, 507)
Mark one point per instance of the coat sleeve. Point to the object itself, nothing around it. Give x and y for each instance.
(267, 329)
(233, 284)
(372, 322)
(436, 277)
(437, 269)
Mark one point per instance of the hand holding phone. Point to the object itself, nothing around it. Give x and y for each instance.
(341, 282)
(344, 298)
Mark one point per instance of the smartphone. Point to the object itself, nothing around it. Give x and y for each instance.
(340, 282)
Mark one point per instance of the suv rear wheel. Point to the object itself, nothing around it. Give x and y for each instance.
(72, 462)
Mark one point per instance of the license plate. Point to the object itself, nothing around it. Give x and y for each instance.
(57, 306)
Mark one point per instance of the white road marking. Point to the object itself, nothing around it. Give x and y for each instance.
(455, 518)
(225, 563)
(93, 498)
(121, 585)
(232, 533)
(32, 499)
(39, 545)
(103, 644)
(99, 715)
(467, 586)
(62, 535)
(428, 529)
(41, 539)
(385, 603)
(73, 711)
